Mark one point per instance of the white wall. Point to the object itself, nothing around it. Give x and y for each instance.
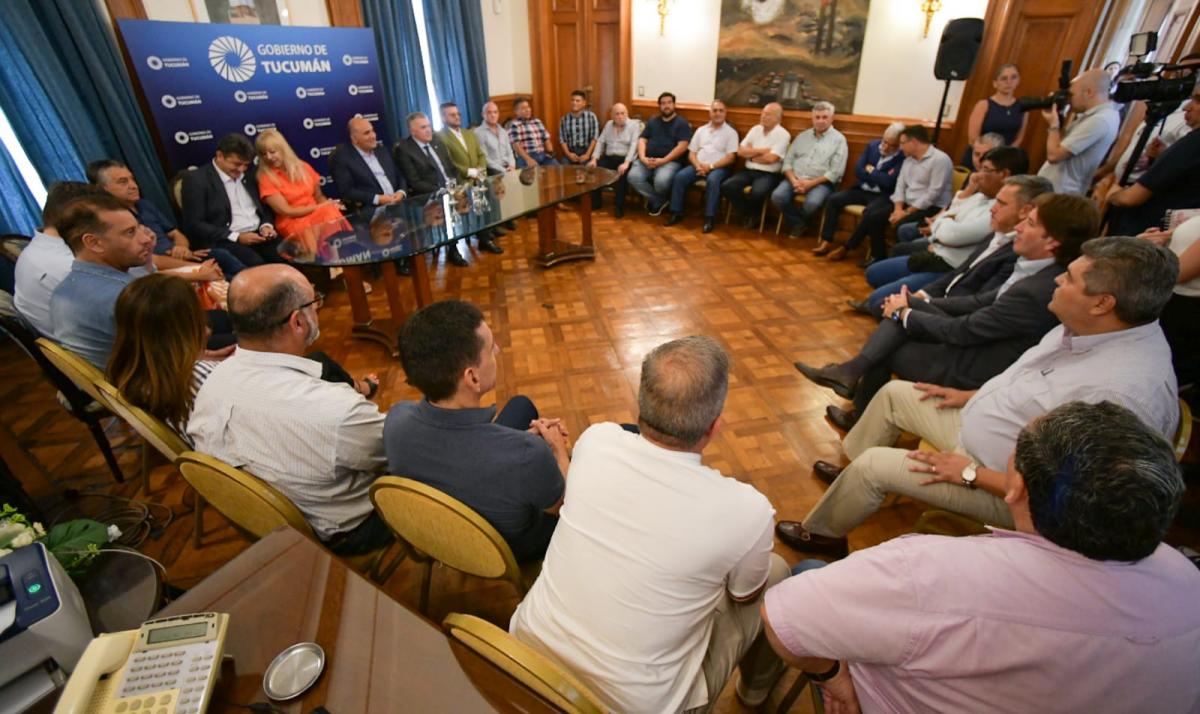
(506, 39)
(894, 79)
(313, 13)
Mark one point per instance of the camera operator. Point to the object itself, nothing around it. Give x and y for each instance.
(1171, 182)
(1074, 153)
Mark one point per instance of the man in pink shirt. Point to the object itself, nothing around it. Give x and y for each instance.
(1081, 609)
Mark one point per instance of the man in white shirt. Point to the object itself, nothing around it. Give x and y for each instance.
(222, 210)
(1074, 154)
(1108, 347)
(639, 596)
(711, 152)
(763, 149)
(813, 168)
(267, 410)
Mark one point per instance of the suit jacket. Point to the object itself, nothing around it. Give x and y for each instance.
(885, 179)
(206, 210)
(979, 336)
(470, 157)
(990, 274)
(420, 171)
(355, 181)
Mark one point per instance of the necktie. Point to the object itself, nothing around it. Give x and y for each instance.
(438, 164)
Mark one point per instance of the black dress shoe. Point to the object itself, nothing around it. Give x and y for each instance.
(829, 376)
(863, 306)
(750, 222)
(455, 257)
(404, 266)
(826, 471)
(844, 419)
(708, 226)
(794, 535)
(490, 246)
(675, 218)
(866, 262)
(619, 211)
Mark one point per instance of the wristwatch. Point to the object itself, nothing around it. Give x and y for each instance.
(825, 676)
(969, 475)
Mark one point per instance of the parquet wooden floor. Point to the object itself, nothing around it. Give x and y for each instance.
(572, 339)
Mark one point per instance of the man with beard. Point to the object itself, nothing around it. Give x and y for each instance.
(661, 150)
(267, 410)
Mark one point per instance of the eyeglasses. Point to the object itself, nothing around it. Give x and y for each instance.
(319, 300)
(986, 170)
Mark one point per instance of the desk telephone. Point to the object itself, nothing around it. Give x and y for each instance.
(168, 666)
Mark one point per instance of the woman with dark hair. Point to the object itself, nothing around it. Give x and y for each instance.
(159, 360)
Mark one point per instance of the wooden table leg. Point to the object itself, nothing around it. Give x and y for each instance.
(420, 280)
(552, 251)
(391, 285)
(364, 324)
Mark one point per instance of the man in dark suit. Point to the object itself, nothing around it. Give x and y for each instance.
(425, 162)
(222, 210)
(961, 342)
(363, 171)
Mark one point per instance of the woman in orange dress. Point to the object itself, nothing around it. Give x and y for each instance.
(293, 191)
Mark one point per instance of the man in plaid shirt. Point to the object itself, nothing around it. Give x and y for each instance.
(530, 140)
(578, 130)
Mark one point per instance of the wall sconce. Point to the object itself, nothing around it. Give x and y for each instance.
(664, 7)
(929, 7)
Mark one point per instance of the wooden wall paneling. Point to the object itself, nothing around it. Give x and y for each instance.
(345, 13)
(505, 104)
(1036, 35)
(567, 44)
(857, 128)
(126, 9)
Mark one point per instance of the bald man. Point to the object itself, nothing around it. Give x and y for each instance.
(363, 171)
(616, 149)
(494, 141)
(763, 149)
(267, 410)
(1073, 154)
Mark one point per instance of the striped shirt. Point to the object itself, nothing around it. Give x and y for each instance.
(577, 131)
(530, 134)
(319, 443)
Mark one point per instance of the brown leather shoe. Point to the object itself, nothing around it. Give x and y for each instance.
(839, 253)
(830, 376)
(843, 419)
(794, 535)
(826, 471)
(822, 248)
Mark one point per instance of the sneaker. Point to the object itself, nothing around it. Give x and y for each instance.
(657, 210)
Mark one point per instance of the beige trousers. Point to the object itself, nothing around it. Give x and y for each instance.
(878, 469)
(737, 640)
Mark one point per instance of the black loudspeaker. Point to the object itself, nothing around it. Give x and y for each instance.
(957, 50)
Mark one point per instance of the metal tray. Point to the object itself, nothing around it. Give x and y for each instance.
(293, 671)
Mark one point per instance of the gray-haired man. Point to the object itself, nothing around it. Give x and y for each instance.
(812, 168)
(651, 612)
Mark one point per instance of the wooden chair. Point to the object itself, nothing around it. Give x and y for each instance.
(1183, 434)
(176, 189)
(435, 526)
(523, 664)
(959, 179)
(75, 379)
(257, 508)
(762, 214)
(153, 431)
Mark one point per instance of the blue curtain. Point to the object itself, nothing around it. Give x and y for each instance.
(19, 213)
(455, 32)
(74, 57)
(400, 64)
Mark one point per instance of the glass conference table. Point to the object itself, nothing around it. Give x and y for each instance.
(422, 224)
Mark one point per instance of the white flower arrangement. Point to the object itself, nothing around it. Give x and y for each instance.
(74, 543)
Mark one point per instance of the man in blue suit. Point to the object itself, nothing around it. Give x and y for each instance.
(363, 170)
(877, 170)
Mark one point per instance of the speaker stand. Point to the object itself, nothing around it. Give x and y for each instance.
(937, 129)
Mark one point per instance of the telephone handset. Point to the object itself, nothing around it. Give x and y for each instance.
(168, 666)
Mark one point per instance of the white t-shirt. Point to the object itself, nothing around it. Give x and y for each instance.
(647, 543)
(712, 144)
(1184, 236)
(777, 141)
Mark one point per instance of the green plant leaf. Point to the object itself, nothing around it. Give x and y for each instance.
(76, 535)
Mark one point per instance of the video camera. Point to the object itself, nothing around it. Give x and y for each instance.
(1059, 99)
(1154, 83)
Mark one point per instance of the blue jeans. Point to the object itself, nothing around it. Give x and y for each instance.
(813, 200)
(654, 184)
(888, 275)
(539, 157)
(909, 232)
(712, 193)
(806, 565)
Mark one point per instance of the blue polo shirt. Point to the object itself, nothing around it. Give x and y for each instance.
(83, 307)
(161, 223)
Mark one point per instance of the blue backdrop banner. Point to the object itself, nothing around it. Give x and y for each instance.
(202, 81)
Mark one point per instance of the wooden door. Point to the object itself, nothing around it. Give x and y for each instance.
(1036, 35)
(579, 44)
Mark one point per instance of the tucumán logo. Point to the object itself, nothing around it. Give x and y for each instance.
(168, 101)
(181, 137)
(232, 59)
(156, 63)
